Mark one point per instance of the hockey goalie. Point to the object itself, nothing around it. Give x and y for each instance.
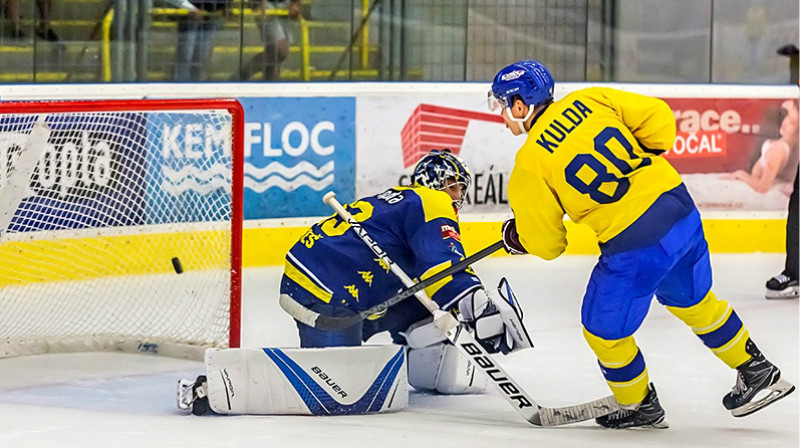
(331, 272)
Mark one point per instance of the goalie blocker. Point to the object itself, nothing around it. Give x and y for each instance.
(326, 381)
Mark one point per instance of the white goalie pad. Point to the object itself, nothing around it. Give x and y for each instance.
(436, 365)
(443, 369)
(300, 381)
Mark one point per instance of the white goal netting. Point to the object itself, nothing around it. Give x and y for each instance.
(117, 228)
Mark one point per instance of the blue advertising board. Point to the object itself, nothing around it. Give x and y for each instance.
(188, 168)
(296, 150)
(132, 169)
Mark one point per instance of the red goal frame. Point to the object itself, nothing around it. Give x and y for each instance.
(237, 152)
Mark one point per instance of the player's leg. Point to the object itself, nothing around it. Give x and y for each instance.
(785, 284)
(616, 301)
(434, 364)
(323, 381)
(187, 33)
(686, 292)
(311, 337)
(193, 394)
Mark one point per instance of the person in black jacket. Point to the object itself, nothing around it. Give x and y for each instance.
(785, 284)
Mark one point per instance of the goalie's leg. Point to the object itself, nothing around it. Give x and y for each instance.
(324, 381)
(193, 394)
(434, 364)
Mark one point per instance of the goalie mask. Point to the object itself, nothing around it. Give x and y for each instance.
(439, 169)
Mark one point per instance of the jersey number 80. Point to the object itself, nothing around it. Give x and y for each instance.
(602, 175)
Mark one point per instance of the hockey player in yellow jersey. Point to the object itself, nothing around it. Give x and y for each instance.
(594, 156)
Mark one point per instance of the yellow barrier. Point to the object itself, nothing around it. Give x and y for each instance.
(268, 246)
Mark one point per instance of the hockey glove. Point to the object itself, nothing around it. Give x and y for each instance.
(511, 238)
(496, 319)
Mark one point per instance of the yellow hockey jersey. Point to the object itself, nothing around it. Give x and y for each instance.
(593, 156)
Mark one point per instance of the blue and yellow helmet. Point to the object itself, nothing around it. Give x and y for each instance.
(437, 167)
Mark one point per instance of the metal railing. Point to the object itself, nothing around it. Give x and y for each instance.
(425, 40)
(244, 12)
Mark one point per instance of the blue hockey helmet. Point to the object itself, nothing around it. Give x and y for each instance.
(439, 165)
(530, 80)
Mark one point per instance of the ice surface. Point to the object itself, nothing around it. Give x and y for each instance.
(124, 400)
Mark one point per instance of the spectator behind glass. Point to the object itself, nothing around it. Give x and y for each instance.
(196, 34)
(275, 38)
(43, 30)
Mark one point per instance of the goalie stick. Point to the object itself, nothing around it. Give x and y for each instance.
(469, 347)
(317, 320)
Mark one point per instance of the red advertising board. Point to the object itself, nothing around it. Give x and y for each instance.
(719, 135)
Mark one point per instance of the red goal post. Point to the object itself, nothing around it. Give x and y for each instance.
(121, 226)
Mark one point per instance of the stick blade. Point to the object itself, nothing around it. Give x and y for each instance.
(575, 414)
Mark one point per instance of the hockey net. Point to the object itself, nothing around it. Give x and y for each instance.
(120, 226)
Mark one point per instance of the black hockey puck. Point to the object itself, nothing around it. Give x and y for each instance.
(176, 264)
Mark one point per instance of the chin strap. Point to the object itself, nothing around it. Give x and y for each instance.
(520, 121)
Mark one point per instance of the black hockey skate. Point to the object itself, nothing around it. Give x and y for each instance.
(782, 287)
(754, 376)
(194, 395)
(649, 414)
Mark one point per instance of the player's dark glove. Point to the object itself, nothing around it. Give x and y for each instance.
(511, 238)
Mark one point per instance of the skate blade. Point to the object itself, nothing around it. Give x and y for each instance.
(778, 390)
(660, 425)
(184, 394)
(788, 293)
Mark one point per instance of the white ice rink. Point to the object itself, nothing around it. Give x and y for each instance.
(114, 400)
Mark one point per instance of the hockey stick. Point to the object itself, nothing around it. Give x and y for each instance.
(317, 320)
(469, 347)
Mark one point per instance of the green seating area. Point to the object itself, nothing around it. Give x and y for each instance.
(88, 48)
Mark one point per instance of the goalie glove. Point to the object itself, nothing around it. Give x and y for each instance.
(496, 319)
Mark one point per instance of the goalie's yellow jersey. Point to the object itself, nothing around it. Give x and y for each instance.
(593, 156)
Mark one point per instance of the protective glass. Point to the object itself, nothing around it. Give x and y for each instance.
(496, 104)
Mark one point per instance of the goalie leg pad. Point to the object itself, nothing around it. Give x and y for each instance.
(423, 334)
(443, 369)
(321, 381)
